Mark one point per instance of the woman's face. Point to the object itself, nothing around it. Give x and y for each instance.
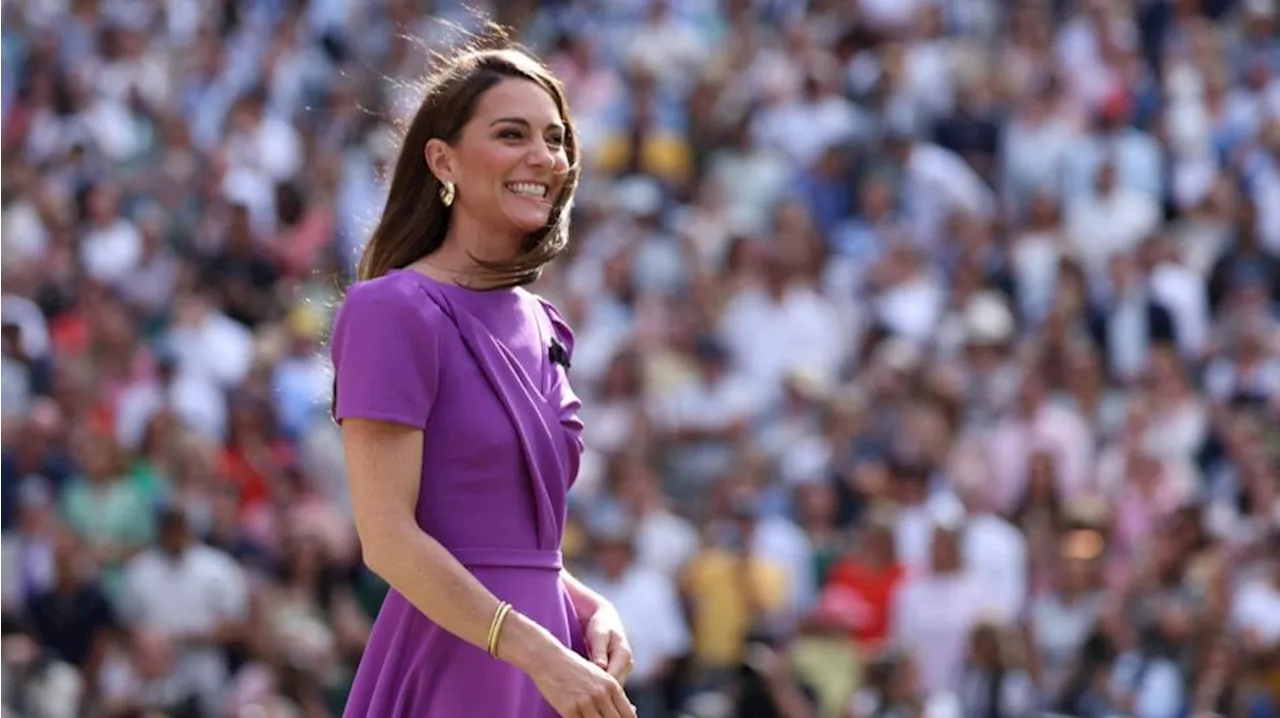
(510, 163)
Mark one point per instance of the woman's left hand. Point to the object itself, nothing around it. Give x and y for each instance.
(607, 644)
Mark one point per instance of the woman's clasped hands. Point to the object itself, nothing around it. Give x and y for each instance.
(577, 688)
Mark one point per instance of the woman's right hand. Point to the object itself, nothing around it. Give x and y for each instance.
(578, 688)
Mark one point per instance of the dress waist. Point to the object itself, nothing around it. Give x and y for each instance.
(545, 559)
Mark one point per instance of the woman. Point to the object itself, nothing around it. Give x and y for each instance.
(858, 595)
(460, 431)
(1041, 516)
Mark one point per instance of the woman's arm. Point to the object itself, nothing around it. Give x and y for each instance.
(585, 601)
(602, 629)
(384, 462)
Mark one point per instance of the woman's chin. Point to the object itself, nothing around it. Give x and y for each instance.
(529, 222)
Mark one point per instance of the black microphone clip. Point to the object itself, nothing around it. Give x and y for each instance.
(558, 353)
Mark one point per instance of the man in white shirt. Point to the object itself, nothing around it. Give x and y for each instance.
(936, 184)
(111, 247)
(936, 610)
(662, 541)
(193, 596)
(647, 602)
(707, 415)
(994, 549)
(1110, 220)
(208, 343)
(193, 398)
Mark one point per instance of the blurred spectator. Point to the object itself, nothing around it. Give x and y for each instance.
(858, 595)
(733, 591)
(185, 604)
(993, 684)
(30, 546)
(650, 610)
(74, 618)
(1060, 621)
(936, 610)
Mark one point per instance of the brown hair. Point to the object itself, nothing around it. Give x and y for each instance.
(415, 220)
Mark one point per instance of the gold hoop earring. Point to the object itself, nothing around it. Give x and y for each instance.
(446, 193)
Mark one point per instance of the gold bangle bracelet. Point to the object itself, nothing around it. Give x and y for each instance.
(495, 628)
(493, 624)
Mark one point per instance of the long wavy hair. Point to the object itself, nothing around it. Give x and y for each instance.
(415, 220)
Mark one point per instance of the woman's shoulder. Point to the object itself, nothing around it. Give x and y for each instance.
(392, 298)
(547, 305)
(558, 322)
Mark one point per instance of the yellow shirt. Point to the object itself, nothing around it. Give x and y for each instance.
(721, 620)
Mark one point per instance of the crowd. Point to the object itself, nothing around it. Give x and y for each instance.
(929, 349)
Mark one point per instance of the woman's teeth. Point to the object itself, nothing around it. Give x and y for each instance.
(528, 189)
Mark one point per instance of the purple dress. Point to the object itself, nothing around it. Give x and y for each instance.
(501, 446)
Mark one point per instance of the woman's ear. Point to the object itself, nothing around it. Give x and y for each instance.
(439, 157)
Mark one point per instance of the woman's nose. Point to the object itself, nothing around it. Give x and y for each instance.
(541, 155)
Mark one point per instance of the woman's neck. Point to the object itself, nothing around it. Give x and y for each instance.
(455, 263)
(467, 238)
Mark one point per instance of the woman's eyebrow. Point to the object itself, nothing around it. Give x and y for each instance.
(524, 123)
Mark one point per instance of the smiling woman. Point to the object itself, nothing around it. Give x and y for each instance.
(492, 123)
(459, 425)
(511, 157)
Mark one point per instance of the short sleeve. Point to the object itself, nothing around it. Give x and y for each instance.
(386, 354)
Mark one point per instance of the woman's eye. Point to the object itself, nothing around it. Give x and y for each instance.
(510, 135)
(556, 141)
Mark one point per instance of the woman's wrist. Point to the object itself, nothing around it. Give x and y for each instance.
(585, 601)
(523, 643)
